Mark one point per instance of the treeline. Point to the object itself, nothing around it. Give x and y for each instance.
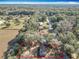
(48, 13)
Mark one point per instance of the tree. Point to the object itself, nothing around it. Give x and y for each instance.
(53, 19)
(17, 21)
(59, 18)
(31, 24)
(41, 18)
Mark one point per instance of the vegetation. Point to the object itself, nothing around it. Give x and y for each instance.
(47, 31)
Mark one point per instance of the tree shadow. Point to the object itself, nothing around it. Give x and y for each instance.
(10, 43)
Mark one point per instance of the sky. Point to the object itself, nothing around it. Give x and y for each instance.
(39, 1)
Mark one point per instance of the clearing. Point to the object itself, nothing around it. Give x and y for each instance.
(5, 37)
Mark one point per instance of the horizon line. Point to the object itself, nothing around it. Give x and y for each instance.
(39, 2)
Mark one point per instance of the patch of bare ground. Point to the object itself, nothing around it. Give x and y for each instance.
(5, 37)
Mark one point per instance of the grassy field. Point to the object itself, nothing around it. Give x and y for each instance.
(5, 37)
